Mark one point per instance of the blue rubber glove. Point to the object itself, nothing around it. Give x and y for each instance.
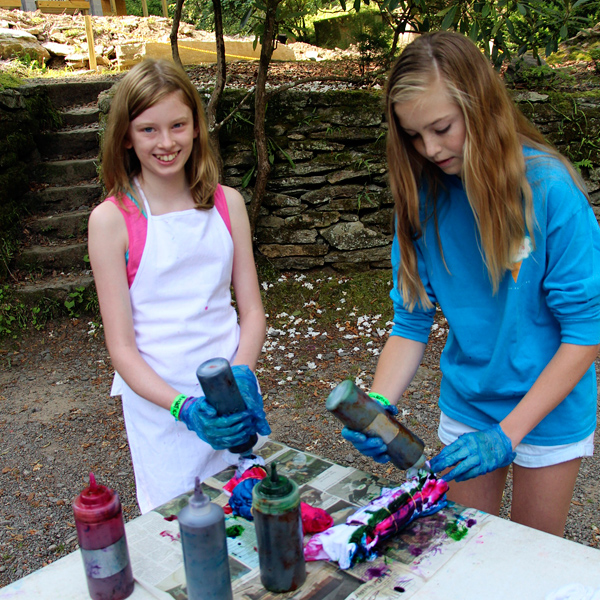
(248, 386)
(373, 447)
(241, 499)
(478, 453)
(220, 432)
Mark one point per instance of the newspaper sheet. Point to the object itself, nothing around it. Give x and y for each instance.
(406, 562)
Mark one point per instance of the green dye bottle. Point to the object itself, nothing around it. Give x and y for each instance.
(358, 411)
(278, 524)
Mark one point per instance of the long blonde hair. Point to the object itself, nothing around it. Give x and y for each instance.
(494, 173)
(145, 85)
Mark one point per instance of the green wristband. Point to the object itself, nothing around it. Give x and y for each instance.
(381, 399)
(177, 404)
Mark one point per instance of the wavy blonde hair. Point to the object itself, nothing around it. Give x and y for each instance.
(145, 85)
(494, 174)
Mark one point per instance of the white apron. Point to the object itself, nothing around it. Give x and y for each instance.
(182, 316)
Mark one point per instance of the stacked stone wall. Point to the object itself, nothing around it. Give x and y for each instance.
(332, 206)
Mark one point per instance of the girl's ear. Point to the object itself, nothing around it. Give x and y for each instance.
(196, 131)
(127, 143)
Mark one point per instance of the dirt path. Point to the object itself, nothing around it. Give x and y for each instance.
(59, 423)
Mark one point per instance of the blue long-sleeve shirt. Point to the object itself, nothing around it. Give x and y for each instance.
(498, 344)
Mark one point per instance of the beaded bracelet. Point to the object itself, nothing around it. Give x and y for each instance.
(177, 404)
(381, 399)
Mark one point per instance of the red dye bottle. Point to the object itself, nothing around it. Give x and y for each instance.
(101, 533)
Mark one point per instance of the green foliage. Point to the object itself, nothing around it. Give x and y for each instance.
(501, 28)
(134, 7)
(374, 40)
(581, 145)
(12, 314)
(82, 300)
(200, 13)
(272, 148)
(289, 17)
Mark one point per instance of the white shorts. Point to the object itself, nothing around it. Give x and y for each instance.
(528, 455)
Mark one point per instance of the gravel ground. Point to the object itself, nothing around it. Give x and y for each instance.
(59, 423)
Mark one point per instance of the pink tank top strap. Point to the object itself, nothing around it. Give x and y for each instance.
(137, 227)
(221, 206)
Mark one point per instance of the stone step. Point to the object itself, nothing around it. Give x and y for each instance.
(72, 143)
(59, 198)
(73, 93)
(66, 172)
(80, 116)
(53, 288)
(61, 226)
(63, 257)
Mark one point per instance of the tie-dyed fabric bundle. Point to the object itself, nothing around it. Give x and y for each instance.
(356, 540)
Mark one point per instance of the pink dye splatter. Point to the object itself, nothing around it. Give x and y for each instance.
(171, 518)
(169, 535)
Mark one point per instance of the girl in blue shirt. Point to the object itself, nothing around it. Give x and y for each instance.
(495, 227)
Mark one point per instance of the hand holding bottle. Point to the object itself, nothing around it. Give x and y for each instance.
(373, 447)
(220, 432)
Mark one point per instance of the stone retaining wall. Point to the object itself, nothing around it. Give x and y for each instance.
(332, 206)
(23, 114)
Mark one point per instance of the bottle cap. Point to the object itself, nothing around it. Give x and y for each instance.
(199, 500)
(95, 502)
(274, 485)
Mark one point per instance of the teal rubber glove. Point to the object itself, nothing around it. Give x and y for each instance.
(220, 432)
(373, 447)
(248, 386)
(478, 453)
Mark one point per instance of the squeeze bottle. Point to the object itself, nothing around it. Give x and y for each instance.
(204, 544)
(221, 392)
(278, 525)
(101, 534)
(358, 411)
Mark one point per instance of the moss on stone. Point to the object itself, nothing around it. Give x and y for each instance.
(8, 81)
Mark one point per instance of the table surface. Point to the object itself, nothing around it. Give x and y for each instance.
(496, 559)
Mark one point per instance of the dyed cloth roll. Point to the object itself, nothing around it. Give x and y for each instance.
(356, 540)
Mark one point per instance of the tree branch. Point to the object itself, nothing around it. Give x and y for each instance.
(174, 30)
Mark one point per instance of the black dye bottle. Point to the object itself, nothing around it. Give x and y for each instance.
(204, 545)
(278, 524)
(221, 391)
(358, 411)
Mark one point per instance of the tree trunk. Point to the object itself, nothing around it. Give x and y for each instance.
(174, 30)
(215, 97)
(263, 167)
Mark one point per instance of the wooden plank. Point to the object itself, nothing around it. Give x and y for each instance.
(165, 9)
(89, 34)
(62, 6)
(144, 8)
(8, 4)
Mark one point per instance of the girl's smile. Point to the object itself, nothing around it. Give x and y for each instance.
(163, 136)
(436, 126)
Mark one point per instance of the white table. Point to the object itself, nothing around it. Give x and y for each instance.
(496, 560)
